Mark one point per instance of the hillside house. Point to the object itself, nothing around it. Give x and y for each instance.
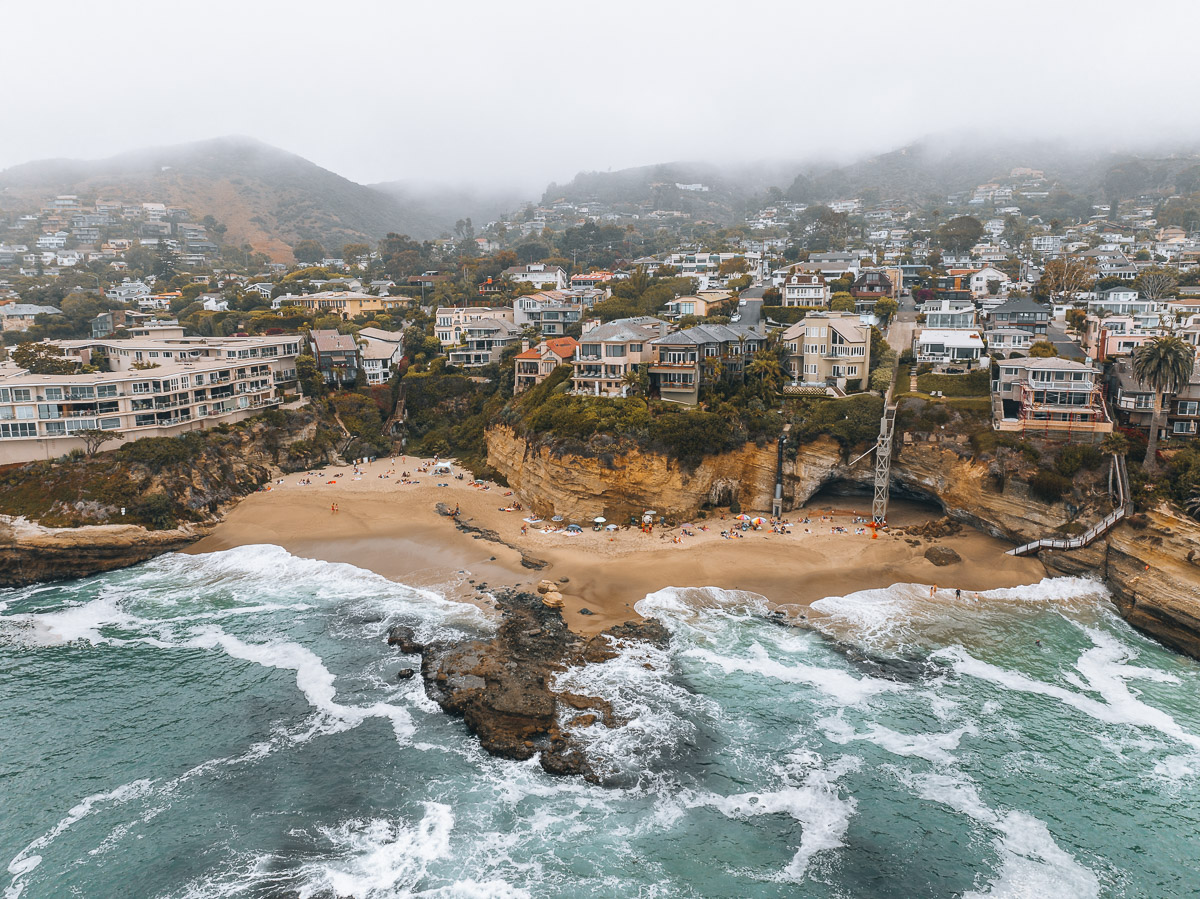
(830, 351)
(607, 353)
(534, 364)
(1058, 398)
(682, 362)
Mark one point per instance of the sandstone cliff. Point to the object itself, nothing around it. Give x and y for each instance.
(31, 553)
(617, 485)
(1153, 572)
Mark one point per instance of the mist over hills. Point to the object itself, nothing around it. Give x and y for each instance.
(271, 199)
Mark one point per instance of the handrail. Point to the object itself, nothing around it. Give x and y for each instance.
(1102, 527)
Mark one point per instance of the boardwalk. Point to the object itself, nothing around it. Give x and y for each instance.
(1102, 527)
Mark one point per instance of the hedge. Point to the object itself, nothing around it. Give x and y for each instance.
(976, 383)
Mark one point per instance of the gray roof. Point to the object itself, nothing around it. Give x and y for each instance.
(331, 341)
(1021, 304)
(704, 334)
(640, 328)
(21, 310)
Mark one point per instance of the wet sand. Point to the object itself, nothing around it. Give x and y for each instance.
(394, 529)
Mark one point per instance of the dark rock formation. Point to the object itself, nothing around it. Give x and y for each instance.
(527, 561)
(502, 687)
(405, 674)
(942, 556)
(405, 638)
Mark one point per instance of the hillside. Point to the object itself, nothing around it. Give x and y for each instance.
(266, 197)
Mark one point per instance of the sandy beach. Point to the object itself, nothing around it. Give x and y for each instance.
(394, 529)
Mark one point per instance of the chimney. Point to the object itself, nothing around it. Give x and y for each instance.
(524, 344)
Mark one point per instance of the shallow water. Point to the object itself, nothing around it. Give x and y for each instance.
(230, 725)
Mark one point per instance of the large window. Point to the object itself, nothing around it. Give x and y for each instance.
(1189, 407)
(18, 429)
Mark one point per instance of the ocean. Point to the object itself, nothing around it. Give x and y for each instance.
(231, 725)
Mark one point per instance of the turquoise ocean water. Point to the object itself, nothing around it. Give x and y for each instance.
(230, 725)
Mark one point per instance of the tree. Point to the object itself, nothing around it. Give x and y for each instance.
(311, 381)
(960, 234)
(636, 380)
(993, 287)
(885, 308)
(308, 252)
(1156, 283)
(1042, 349)
(1164, 364)
(42, 359)
(842, 302)
(1076, 318)
(1067, 276)
(355, 252)
(1114, 444)
(767, 366)
(94, 438)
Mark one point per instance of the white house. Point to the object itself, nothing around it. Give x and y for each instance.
(979, 281)
(942, 346)
(549, 277)
(805, 289)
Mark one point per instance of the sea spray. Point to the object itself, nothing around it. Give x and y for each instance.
(226, 725)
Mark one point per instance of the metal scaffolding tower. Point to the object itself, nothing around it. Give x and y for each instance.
(883, 464)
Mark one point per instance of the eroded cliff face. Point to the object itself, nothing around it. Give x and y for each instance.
(30, 553)
(619, 484)
(1153, 572)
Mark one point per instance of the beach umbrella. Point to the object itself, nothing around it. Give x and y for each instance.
(758, 521)
(599, 519)
(574, 529)
(742, 517)
(611, 527)
(649, 513)
(557, 518)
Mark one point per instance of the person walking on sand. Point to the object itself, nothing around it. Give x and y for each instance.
(932, 591)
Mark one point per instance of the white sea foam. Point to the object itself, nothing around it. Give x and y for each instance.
(75, 623)
(28, 859)
(380, 857)
(1102, 670)
(313, 679)
(1031, 862)
(934, 748)
(842, 687)
(811, 796)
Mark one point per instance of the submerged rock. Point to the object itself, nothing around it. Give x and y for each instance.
(405, 674)
(502, 687)
(405, 638)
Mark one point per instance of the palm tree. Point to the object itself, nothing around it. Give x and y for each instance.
(766, 365)
(1164, 364)
(1114, 444)
(1193, 501)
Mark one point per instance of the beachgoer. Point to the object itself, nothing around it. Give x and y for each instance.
(932, 591)
(958, 594)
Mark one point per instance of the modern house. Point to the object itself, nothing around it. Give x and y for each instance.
(108, 323)
(551, 312)
(1023, 313)
(1108, 337)
(1133, 402)
(534, 364)
(194, 383)
(1003, 343)
(1052, 397)
(607, 353)
(871, 285)
(483, 340)
(451, 320)
(547, 277)
(949, 348)
(944, 313)
(829, 351)
(685, 360)
(380, 350)
(1120, 301)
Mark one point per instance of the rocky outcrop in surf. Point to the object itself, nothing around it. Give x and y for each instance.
(30, 553)
(504, 687)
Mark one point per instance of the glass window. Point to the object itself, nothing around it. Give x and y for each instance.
(22, 394)
(25, 411)
(102, 390)
(110, 424)
(48, 410)
(18, 429)
(54, 393)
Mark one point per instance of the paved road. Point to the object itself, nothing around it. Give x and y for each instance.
(900, 331)
(751, 313)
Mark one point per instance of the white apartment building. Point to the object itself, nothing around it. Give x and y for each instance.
(451, 321)
(194, 383)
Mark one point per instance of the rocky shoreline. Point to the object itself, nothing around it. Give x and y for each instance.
(31, 553)
(503, 687)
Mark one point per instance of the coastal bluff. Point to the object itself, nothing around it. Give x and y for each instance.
(30, 553)
(1152, 571)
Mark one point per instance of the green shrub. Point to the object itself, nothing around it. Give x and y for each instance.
(1075, 457)
(1049, 486)
(787, 315)
(976, 383)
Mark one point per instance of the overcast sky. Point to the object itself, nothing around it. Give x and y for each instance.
(524, 92)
